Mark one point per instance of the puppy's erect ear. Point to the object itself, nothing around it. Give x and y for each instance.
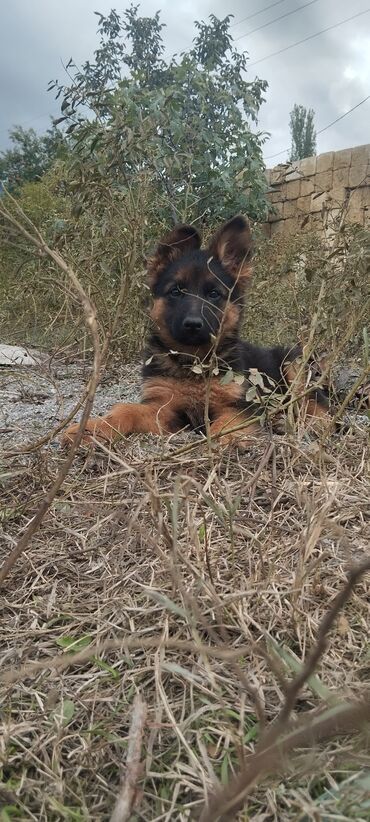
(180, 241)
(232, 247)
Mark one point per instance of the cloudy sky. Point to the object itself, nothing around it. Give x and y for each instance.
(330, 73)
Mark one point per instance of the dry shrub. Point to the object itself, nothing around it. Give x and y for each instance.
(198, 579)
(290, 271)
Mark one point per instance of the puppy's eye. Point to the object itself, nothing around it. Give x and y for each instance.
(214, 294)
(176, 291)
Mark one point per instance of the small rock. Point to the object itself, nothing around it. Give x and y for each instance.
(14, 355)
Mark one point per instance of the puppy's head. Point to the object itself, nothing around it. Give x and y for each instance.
(198, 293)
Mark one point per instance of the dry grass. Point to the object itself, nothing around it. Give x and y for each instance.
(147, 557)
(158, 627)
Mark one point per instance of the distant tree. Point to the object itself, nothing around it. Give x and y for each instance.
(303, 133)
(182, 126)
(30, 155)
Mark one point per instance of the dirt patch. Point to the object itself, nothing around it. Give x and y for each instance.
(34, 400)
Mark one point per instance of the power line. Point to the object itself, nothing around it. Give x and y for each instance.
(346, 113)
(311, 37)
(39, 117)
(275, 20)
(249, 16)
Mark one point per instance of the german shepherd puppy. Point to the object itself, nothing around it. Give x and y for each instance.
(197, 310)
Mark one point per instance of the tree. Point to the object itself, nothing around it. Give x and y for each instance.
(182, 128)
(303, 133)
(31, 155)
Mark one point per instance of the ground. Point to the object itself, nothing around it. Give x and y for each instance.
(196, 578)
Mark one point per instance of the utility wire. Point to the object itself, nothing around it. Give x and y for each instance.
(346, 113)
(275, 20)
(249, 16)
(311, 37)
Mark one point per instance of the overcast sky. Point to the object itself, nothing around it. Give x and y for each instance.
(330, 73)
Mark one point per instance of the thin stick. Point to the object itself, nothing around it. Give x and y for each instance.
(92, 327)
(273, 743)
(321, 643)
(128, 793)
(62, 661)
(345, 718)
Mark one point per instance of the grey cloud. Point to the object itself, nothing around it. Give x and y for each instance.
(329, 74)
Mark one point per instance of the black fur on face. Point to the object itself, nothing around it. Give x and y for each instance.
(197, 291)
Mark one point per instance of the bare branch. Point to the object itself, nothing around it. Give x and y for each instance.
(128, 793)
(92, 327)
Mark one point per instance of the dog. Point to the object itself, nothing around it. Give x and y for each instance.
(195, 360)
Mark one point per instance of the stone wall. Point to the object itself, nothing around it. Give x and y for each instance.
(320, 192)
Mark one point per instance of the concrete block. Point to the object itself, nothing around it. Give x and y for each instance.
(342, 159)
(356, 207)
(276, 176)
(317, 202)
(307, 187)
(356, 199)
(341, 177)
(359, 175)
(293, 190)
(293, 174)
(278, 213)
(289, 208)
(360, 155)
(304, 205)
(266, 230)
(308, 166)
(274, 196)
(337, 195)
(324, 180)
(324, 162)
(365, 196)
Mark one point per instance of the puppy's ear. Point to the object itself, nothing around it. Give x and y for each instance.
(232, 246)
(180, 241)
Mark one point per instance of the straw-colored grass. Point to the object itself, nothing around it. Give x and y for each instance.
(185, 628)
(174, 554)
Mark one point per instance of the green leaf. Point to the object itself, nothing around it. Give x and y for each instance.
(227, 378)
(64, 712)
(255, 377)
(108, 668)
(239, 379)
(74, 644)
(251, 394)
(225, 769)
(166, 602)
(295, 665)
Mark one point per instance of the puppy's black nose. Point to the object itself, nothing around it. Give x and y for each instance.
(193, 323)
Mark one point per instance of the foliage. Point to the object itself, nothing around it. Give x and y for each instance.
(31, 155)
(182, 127)
(303, 133)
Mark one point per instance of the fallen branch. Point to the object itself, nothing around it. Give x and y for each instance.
(343, 719)
(128, 793)
(274, 742)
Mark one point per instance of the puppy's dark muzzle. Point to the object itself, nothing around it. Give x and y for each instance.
(193, 324)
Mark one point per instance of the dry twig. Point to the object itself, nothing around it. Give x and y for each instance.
(128, 793)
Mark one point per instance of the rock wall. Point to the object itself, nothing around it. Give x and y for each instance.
(320, 192)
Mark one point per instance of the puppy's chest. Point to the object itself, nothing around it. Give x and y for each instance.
(193, 394)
